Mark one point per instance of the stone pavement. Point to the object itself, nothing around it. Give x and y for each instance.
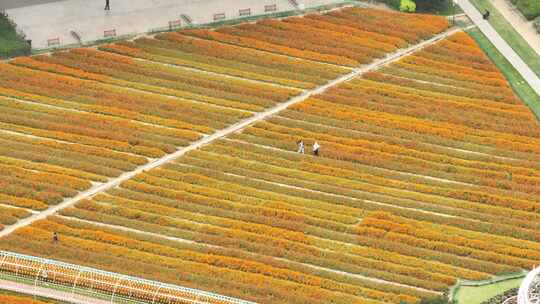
(501, 45)
(56, 20)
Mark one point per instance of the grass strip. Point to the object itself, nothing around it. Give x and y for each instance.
(520, 86)
(508, 33)
(479, 294)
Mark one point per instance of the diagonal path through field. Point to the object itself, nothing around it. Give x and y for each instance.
(225, 132)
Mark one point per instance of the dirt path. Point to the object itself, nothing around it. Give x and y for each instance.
(314, 267)
(224, 132)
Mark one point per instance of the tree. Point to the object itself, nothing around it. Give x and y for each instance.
(407, 6)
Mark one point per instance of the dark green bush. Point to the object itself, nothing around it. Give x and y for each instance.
(393, 3)
(537, 24)
(11, 43)
(439, 300)
(529, 8)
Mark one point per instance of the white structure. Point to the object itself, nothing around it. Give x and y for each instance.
(85, 285)
(529, 291)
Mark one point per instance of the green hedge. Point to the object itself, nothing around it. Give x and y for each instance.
(537, 24)
(529, 8)
(11, 43)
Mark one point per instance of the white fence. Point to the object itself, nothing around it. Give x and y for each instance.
(73, 280)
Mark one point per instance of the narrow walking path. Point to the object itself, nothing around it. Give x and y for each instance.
(501, 45)
(224, 132)
(314, 267)
(524, 27)
(334, 194)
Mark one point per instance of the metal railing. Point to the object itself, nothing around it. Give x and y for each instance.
(74, 280)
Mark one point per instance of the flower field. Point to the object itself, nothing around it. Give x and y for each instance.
(78, 118)
(21, 299)
(428, 173)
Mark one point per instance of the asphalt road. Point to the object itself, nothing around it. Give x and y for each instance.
(9, 4)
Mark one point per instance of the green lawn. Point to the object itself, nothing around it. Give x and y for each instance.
(11, 44)
(476, 295)
(511, 36)
(521, 88)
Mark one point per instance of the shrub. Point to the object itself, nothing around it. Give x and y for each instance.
(529, 8)
(537, 24)
(11, 43)
(407, 6)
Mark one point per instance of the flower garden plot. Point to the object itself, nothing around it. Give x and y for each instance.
(355, 36)
(242, 216)
(86, 116)
(22, 299)
(405, 198)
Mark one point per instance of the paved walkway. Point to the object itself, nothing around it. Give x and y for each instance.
(524, 27)
(223, 133)
(503, 47)
(9, 4)
(89, 19)
(48, 293)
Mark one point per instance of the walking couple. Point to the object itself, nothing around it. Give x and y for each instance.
(301, 147)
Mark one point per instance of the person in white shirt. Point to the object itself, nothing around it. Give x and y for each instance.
(316, 148)
(301, 147)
